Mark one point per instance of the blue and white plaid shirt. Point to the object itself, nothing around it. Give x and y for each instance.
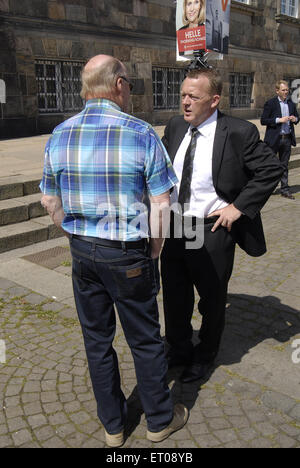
(101, 163)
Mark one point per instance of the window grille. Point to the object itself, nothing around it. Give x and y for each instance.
(240, 90)
(166, 87)
(59, 85)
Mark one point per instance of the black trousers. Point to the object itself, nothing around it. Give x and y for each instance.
(208, 269)
(284, 153)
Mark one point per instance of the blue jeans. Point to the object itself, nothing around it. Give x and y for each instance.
(103, 277)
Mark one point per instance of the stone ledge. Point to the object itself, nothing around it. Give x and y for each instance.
(250, 9)
(287, 19)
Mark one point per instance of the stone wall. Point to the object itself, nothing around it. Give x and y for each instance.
(138, 32)
(141, 33)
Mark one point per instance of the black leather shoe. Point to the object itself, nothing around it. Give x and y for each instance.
(288, 195)
(174, 360)
(195, 371)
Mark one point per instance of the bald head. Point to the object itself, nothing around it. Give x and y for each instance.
(98, 61)
(99, 77)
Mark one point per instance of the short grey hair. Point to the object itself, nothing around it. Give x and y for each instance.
(100, 81)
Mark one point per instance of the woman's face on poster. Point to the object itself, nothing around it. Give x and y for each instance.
(192, 10)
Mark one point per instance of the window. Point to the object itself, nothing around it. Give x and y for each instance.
(243, 1)
(166, 87)
(240, 89)
(289, 8)
(59, 86)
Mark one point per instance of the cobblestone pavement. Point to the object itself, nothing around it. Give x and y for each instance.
(251, 399)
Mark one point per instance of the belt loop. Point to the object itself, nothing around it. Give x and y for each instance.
(93, 251)
(124, 247)
(147, 247)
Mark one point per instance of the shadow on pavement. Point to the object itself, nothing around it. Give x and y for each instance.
(293, 189)
(250, 320)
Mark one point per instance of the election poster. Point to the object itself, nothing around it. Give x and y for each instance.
(202, 25)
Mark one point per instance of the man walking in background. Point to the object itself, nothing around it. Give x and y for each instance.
(280, 115)
(98, 165)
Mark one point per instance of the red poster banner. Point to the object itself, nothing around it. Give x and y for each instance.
(191, 39)
(224, 4)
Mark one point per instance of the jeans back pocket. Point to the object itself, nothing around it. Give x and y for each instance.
(136, 281)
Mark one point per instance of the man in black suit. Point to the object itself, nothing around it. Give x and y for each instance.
(226, 175)
(280, 115)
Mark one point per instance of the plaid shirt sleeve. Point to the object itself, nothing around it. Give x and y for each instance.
(49, 184)
(159, 172)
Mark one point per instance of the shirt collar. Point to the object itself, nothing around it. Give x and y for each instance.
(284, 102)
(208, 126)
(101, 102)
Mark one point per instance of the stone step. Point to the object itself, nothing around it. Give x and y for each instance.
(27, 233)
(295, 150)
(294, 161)
(18, 186)
(16, 210)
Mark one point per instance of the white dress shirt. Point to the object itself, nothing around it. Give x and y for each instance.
(285, 112)
(204, 199)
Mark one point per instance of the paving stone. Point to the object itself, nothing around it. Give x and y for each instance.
(227, 435)
(15, 424)
(22, 437)
(261, 443)
(295, 412)
(37, 420)
(54, 442)
(207, 441)
(35, 299)
(32, 408)
(277, 401)
(284, 441)
(58, 418)
(6, 441)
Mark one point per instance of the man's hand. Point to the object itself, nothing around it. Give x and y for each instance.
(55, 210)
(227, 216)
(158, 227)
(285, 119)
(293, 119)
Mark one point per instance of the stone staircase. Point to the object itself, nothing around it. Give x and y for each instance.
(295, 155)
(23, 220)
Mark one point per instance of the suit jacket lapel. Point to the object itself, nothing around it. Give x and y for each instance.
(278, 107)
(177, 138)
(219, 146)
(291, 107)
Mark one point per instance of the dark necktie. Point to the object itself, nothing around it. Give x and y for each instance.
(186, 178)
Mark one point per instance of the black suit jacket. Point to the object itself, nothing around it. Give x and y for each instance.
(245, 172)
(271, 112)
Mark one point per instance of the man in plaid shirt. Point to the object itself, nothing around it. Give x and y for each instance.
(99, 165)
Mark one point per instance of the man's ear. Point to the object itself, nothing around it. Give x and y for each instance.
(216, 101)
(119, 85)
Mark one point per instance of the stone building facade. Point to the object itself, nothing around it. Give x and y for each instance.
(44, 43)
